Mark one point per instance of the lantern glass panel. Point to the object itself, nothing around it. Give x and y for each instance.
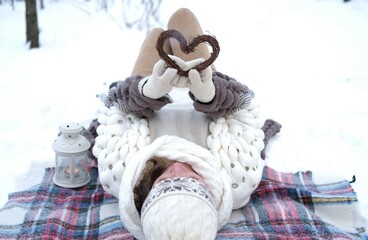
(80, 169)
(72, 171)
(62, 164)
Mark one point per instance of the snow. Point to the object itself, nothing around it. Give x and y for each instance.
(307, 62)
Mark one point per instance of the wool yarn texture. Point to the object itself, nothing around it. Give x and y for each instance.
(231, 162)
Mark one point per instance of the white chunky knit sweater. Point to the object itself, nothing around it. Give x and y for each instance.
(234, 140)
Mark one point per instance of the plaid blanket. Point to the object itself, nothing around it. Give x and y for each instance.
(285, 206)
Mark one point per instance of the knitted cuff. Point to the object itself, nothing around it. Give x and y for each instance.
(270, 129)
(127, 97)
(230, 96)
(141, 85)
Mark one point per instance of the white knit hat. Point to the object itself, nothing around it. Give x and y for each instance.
(185, 208)
(203, 215)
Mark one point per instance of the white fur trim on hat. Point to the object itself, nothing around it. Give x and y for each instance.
(177, 149)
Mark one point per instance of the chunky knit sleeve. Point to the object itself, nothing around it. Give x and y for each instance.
(126, 96)
(230, 96)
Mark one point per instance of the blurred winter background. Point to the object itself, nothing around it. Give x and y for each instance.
(306, 60)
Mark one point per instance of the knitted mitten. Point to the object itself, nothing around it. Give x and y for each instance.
(201, 85)
(162, 80)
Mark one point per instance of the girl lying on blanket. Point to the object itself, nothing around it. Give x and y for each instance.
(179, 165)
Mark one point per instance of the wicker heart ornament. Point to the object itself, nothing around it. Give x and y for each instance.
(187, 48)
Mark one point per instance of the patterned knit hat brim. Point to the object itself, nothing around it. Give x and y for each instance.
(178, 186)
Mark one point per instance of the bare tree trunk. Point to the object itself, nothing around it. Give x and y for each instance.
(31, 23)
(42, 6)
(149, 12)
(104, 5)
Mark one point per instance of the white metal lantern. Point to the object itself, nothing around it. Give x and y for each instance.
(71, 158)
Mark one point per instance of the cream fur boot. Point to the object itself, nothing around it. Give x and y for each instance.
(148, 55)
(184, 21)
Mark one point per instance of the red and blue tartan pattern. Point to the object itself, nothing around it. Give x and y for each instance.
(281, 208)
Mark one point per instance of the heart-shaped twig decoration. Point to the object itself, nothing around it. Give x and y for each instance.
(187, 48)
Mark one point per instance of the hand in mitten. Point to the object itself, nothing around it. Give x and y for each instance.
(179, 81)
(182, 81)
(159, 83)
(192, 63)
(201, 84)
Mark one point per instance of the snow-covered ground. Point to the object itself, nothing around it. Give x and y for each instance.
(306, 60)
